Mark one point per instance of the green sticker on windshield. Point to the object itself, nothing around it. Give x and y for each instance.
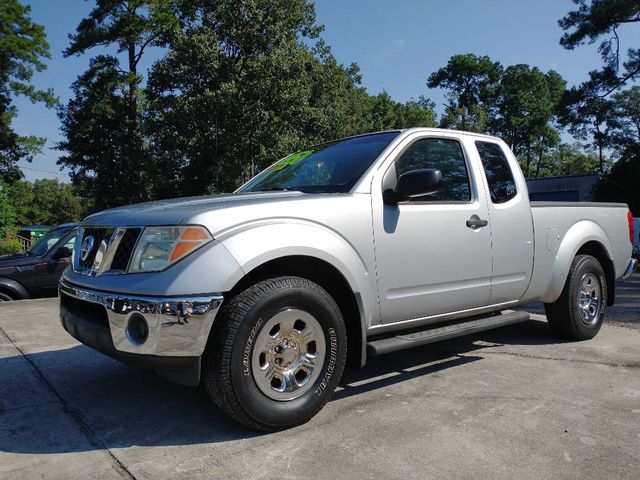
(291, 160)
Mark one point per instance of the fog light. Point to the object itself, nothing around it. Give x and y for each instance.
(137, 329)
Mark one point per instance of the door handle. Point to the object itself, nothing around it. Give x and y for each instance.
(476, 222)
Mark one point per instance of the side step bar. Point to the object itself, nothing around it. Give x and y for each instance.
(437, 334)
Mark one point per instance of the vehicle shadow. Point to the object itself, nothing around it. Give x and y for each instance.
(85, 401)
(401, 366)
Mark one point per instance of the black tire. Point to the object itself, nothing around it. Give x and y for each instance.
(228, 373)
(5, 297)
(565, 316)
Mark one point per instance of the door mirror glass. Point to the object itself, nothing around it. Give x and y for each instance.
(415, 183)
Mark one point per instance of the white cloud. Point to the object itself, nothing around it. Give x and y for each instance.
(389, 51)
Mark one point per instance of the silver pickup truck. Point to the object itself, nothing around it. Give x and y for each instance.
(352, 248)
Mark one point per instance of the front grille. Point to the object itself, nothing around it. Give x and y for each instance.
(99, 235)
(89, 311)
(125, 249)
(105, 249)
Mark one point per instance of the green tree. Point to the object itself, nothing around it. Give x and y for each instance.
(621, 183)
(7, 210)
(418, 113)
(23, 47)
(596, 19)
(104, 166)
(624, 120)
(45, 201)
(244, 83)
(21, 196)
(132, 26)
(526, 106)
(105, 148)
(388, 114)
(473, 85)
(570, 159)
(587, 116)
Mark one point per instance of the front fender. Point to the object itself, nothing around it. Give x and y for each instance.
(15, 288)
(578, 235)
(257, 244)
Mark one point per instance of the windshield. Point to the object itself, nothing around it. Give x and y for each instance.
(330, 167)
(46, 241)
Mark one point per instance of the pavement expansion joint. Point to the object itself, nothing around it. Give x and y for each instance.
(572, 360)
(90, 435)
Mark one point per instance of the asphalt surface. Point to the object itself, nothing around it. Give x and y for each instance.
(510, 403)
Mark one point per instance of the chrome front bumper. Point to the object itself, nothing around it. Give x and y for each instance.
(630, 269)
(177, 327)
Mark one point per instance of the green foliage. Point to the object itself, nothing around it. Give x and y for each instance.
(108, 164)
(254, 92)
(23, 46)
(518, 103)
(621, 183)
(106, 151)
(472, 83)
(384, 113)
(7, 211)
(570, 159)
(595, 19)
(526, 105)
(46, 201)
(624, 119)
(9, 246)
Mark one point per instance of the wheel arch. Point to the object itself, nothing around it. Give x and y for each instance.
(588, 238)
(14, 288)
(332, 280)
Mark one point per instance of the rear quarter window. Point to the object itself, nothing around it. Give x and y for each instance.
(502, 185)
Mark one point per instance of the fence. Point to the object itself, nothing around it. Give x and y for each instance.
(25, 243)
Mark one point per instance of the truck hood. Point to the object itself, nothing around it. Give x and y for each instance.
(202, 210)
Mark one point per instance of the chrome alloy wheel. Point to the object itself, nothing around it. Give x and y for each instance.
(589, 298)
(288, 355)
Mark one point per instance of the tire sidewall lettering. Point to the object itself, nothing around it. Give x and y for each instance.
(248, 348)
(332, 359)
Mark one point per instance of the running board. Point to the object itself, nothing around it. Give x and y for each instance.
(438, 334)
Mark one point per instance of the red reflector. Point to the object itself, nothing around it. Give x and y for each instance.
(630, 216)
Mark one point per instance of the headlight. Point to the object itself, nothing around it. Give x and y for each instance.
(159, 247)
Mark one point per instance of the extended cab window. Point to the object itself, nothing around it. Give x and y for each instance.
(444, 155)
(502, 186)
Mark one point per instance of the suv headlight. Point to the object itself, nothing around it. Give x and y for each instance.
(160, 247)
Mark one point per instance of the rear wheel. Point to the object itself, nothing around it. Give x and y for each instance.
(276, 353)
(579, 311)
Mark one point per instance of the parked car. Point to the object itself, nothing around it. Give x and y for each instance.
(34, 273)
(357, 247)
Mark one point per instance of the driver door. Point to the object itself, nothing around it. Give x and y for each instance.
(429, 260)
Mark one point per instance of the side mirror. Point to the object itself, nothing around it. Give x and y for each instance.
(414, 183)
(62, 252)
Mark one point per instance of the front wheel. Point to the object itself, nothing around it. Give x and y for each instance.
(5, 297)
(579, 311)
(276, 353)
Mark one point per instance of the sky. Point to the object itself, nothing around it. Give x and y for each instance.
(396, 44)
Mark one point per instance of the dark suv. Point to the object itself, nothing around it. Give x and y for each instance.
(35, 273)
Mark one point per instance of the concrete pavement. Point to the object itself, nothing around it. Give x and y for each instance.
(512, 403)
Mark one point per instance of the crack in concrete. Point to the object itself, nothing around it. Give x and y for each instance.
(89, 434)
(560, 359)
